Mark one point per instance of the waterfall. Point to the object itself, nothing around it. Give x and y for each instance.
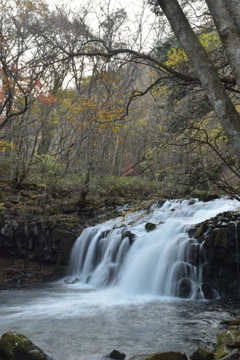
(164, 262)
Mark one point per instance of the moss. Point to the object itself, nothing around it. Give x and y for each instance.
(18, 346)
(220, 338)
(222, 351)
(200, 231)
(232, 338)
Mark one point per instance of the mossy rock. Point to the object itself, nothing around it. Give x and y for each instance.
(220, 237)
(220, 338)
(150, 227)
(208, 197)
(232, 338)
(198, 193)
(168, 355)
(200, 231)
(15, 346)
(235, 321)
(202, 353)
(234, 327)
(221, 351)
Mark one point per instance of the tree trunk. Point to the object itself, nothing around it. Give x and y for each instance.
(218, 96)
(233, 7)
(229, 34)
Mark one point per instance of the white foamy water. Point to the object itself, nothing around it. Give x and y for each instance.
(164, 262)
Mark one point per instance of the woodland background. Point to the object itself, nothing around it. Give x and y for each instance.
(92, 104)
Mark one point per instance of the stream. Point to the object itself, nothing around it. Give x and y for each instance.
(112, 298)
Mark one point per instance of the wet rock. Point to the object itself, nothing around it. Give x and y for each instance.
(161, 202)
(15, 346)
(115, 354)
(220, 237)
(130, 235)
(220, 338)
(150, 227)
(168, 355)
(202, 353)
(234, 355)
(222, 351)
(185, 288)
(207, 272)
(192, 231)
(38, 238)
(75, 281)
(206, 198)
(194, 255)
(232, 338)
(199, 234)
(208, 292)
(235, 321)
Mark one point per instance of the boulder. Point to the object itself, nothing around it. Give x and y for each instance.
(223, 351)
(197, 193)
(116, 355)
(235, 321)
(150, 227)
(202, 353)
(168, 355)
(208, 197)
(130, 236)
(15, 346)
(232, 338)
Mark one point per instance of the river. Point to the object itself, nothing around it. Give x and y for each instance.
(130, 311)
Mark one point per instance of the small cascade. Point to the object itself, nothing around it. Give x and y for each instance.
(163, 262)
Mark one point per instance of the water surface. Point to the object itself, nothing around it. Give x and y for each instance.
(75, 323)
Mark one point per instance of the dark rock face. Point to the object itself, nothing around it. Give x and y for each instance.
(37, 238)
(220, 239)
(185, 288)
(17, 346)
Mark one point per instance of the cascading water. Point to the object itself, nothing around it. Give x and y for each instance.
(165, 262)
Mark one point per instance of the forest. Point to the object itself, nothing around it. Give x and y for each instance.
(103, 99)
(119, 134)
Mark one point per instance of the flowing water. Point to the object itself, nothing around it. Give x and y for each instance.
(165, 262)
(119, 298)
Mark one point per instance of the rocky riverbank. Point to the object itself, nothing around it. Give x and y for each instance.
(14, 346)
(35, 245)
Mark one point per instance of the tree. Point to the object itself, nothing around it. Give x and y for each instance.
(202, 64)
